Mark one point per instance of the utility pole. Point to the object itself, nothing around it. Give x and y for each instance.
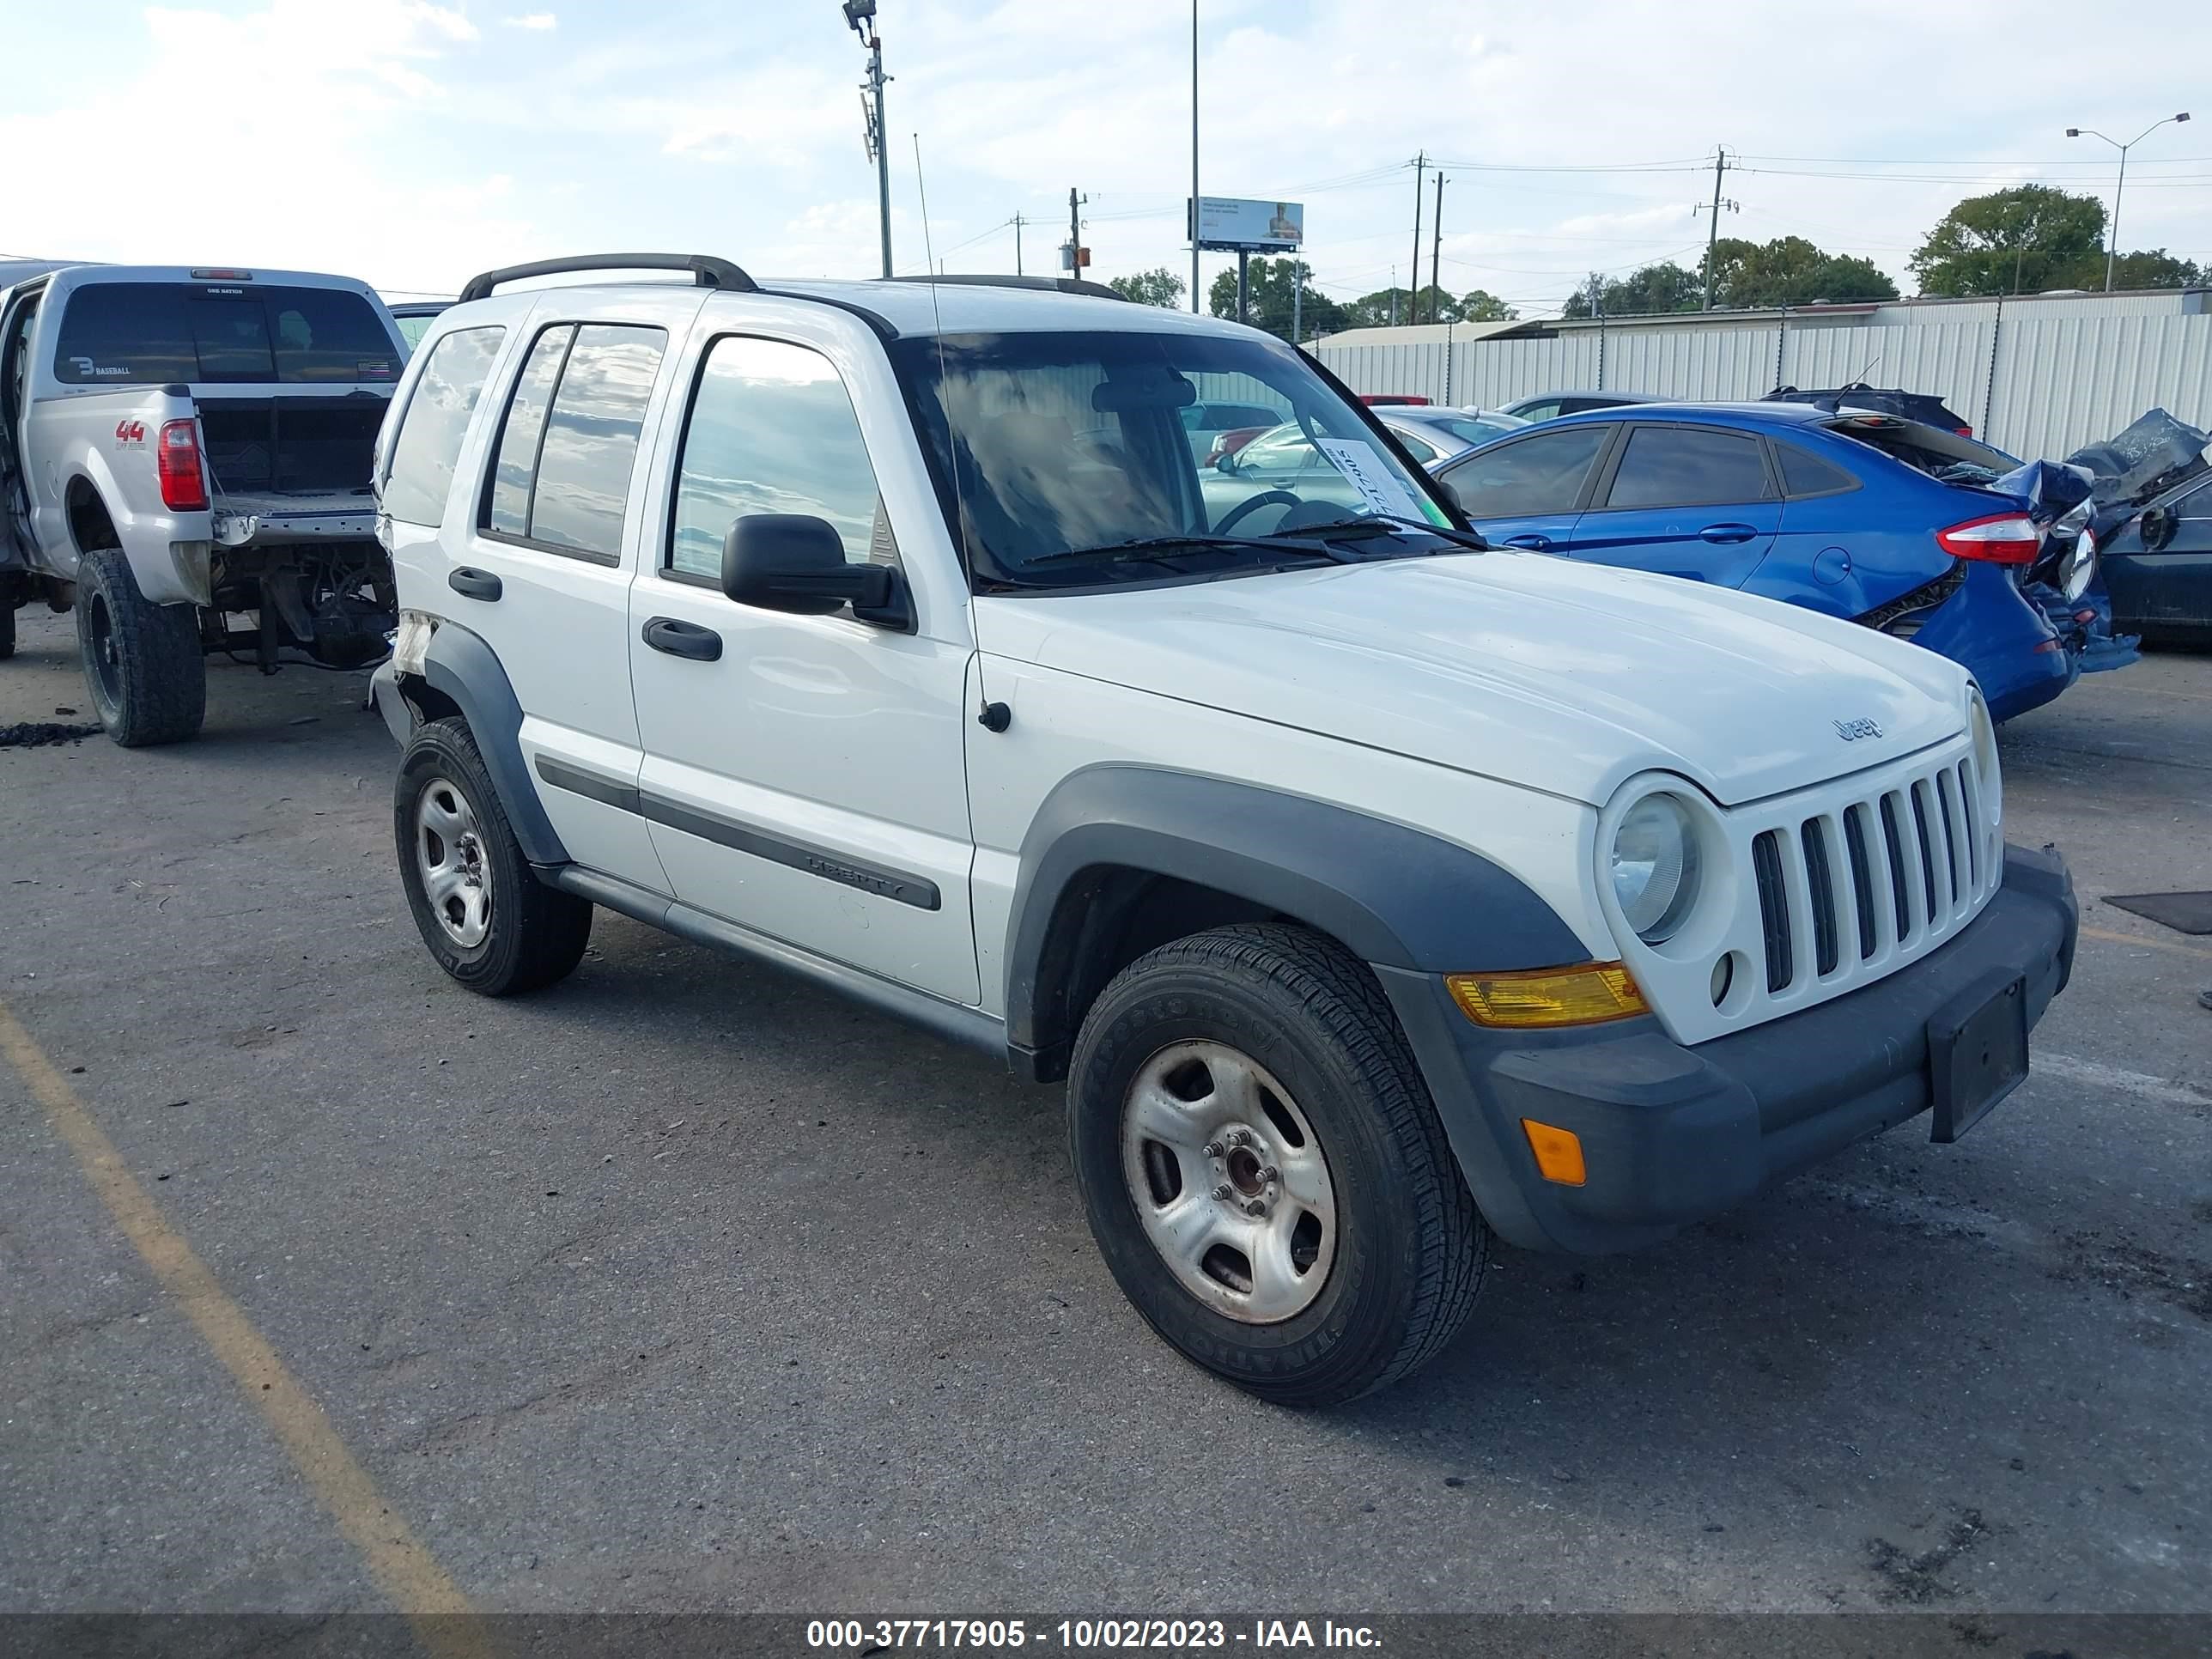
(1193, 156)
(1437, 247)
(1017, 222)
(1414, 300)
(1713, 230)
(861, 15)
(1298, 294)
(1075, 248)
(2112, 241)
(1393, 296)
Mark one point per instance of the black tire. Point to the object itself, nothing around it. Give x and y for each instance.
(143, 662)
(1410, 1247)
(7, 627)
(534, 934)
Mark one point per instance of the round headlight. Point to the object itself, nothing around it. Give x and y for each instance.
(1654, 867)
(2078, 568)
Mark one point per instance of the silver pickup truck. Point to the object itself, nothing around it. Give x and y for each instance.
(185, 460)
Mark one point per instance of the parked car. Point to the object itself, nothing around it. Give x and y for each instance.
(1204, 424)
(178, 447)
(1546, 404)
(1840, 513)
(2158, 566)
(414, 317)
(1374, 891)
(1392, 399)
(1921, 406)
(1431, 436)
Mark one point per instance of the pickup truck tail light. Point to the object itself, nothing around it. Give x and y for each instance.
(184, 486)
(2001, 538)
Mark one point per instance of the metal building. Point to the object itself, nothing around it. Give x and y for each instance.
(2036, 375)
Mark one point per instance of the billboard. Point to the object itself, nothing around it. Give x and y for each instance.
(1230, 223)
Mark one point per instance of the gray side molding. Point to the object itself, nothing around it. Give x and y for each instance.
(1394, 896)
(461, 667)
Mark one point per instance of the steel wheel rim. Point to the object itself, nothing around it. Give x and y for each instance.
(106, 666)
(1228, 1182)
(449, 853)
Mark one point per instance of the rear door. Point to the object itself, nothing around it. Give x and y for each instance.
(1528, 492)
(1699, 502)
(542, 564)
(18, 309)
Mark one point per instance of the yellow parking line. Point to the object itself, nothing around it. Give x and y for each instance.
(2107, 934)
(404, 1570)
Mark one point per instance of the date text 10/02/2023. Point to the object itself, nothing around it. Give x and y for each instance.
(1085, 1635)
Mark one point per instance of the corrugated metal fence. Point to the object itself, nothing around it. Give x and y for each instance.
(2037, 387)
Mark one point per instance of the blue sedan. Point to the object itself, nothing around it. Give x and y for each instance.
(1848, 513)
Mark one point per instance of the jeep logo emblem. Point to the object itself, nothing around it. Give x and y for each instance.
(1852, 731)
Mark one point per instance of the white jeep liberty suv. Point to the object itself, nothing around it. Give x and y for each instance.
(1374, 892)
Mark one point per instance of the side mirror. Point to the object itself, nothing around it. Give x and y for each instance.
(795, 562)
(1452, 490)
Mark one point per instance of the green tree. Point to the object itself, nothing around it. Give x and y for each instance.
(1270, 300)
(1157, 287)
(1791, 271)
(2020, 240)
(1663, 287)
(1377, 309)
(2151, 268)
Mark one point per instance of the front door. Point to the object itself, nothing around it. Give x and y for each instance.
(1528, 492)
(803, 775)
(1683, 501)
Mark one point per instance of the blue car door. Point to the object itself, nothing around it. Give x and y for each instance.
(1527, 492)
(1685, 499)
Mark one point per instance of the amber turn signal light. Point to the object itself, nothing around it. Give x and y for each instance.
(1559, 1153)
(1582, 995)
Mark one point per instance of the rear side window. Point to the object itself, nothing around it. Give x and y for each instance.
(219, 333)
(565, 464)
(772, 430)
(1688, 467)
(1808, 474)
(1543, 474)
(429, 440)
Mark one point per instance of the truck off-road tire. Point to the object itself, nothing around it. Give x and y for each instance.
(7, 627)
(1263, 1169)
(142, 661)
(487, 918)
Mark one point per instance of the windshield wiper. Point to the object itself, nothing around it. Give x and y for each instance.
(1147, 549)
(1379, 524)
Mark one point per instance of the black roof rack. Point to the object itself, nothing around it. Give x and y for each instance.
(706, 269)
(1049, 284)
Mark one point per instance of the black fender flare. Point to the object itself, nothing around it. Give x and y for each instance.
(462, 667)
(1395, 896)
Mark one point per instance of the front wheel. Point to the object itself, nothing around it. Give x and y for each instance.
(1263, 1169)
(487, 918)
(143, 662)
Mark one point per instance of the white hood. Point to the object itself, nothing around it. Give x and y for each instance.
(1529, 668)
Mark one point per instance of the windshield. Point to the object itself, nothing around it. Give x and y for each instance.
(1067, 441)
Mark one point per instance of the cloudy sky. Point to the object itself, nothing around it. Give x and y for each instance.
(412, 143)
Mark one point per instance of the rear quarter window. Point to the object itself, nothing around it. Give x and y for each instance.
(221, 333)
(428, 443)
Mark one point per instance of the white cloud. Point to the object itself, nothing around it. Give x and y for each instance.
(536, 20)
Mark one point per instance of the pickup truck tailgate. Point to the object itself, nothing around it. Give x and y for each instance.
(245, 517)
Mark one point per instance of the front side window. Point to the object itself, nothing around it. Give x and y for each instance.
(1686, 466)
(428, 443)
(572, 494)
(1049, 448)
(772, 430)
(1542, 474)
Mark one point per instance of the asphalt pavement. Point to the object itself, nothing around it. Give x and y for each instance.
(684, 1286)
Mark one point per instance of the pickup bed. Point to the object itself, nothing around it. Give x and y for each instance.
(184, 461)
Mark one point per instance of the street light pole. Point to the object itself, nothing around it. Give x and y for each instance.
(861, 15)
(2112, 239)
(1194, 155)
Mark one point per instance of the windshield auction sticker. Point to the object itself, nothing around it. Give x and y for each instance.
(1383, 490)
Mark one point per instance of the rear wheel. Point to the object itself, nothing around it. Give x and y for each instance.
(487, 918)
(142, 661)
(7, 627)
(1263, 1169)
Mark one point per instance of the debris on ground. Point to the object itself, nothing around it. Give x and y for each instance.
(36, 734)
